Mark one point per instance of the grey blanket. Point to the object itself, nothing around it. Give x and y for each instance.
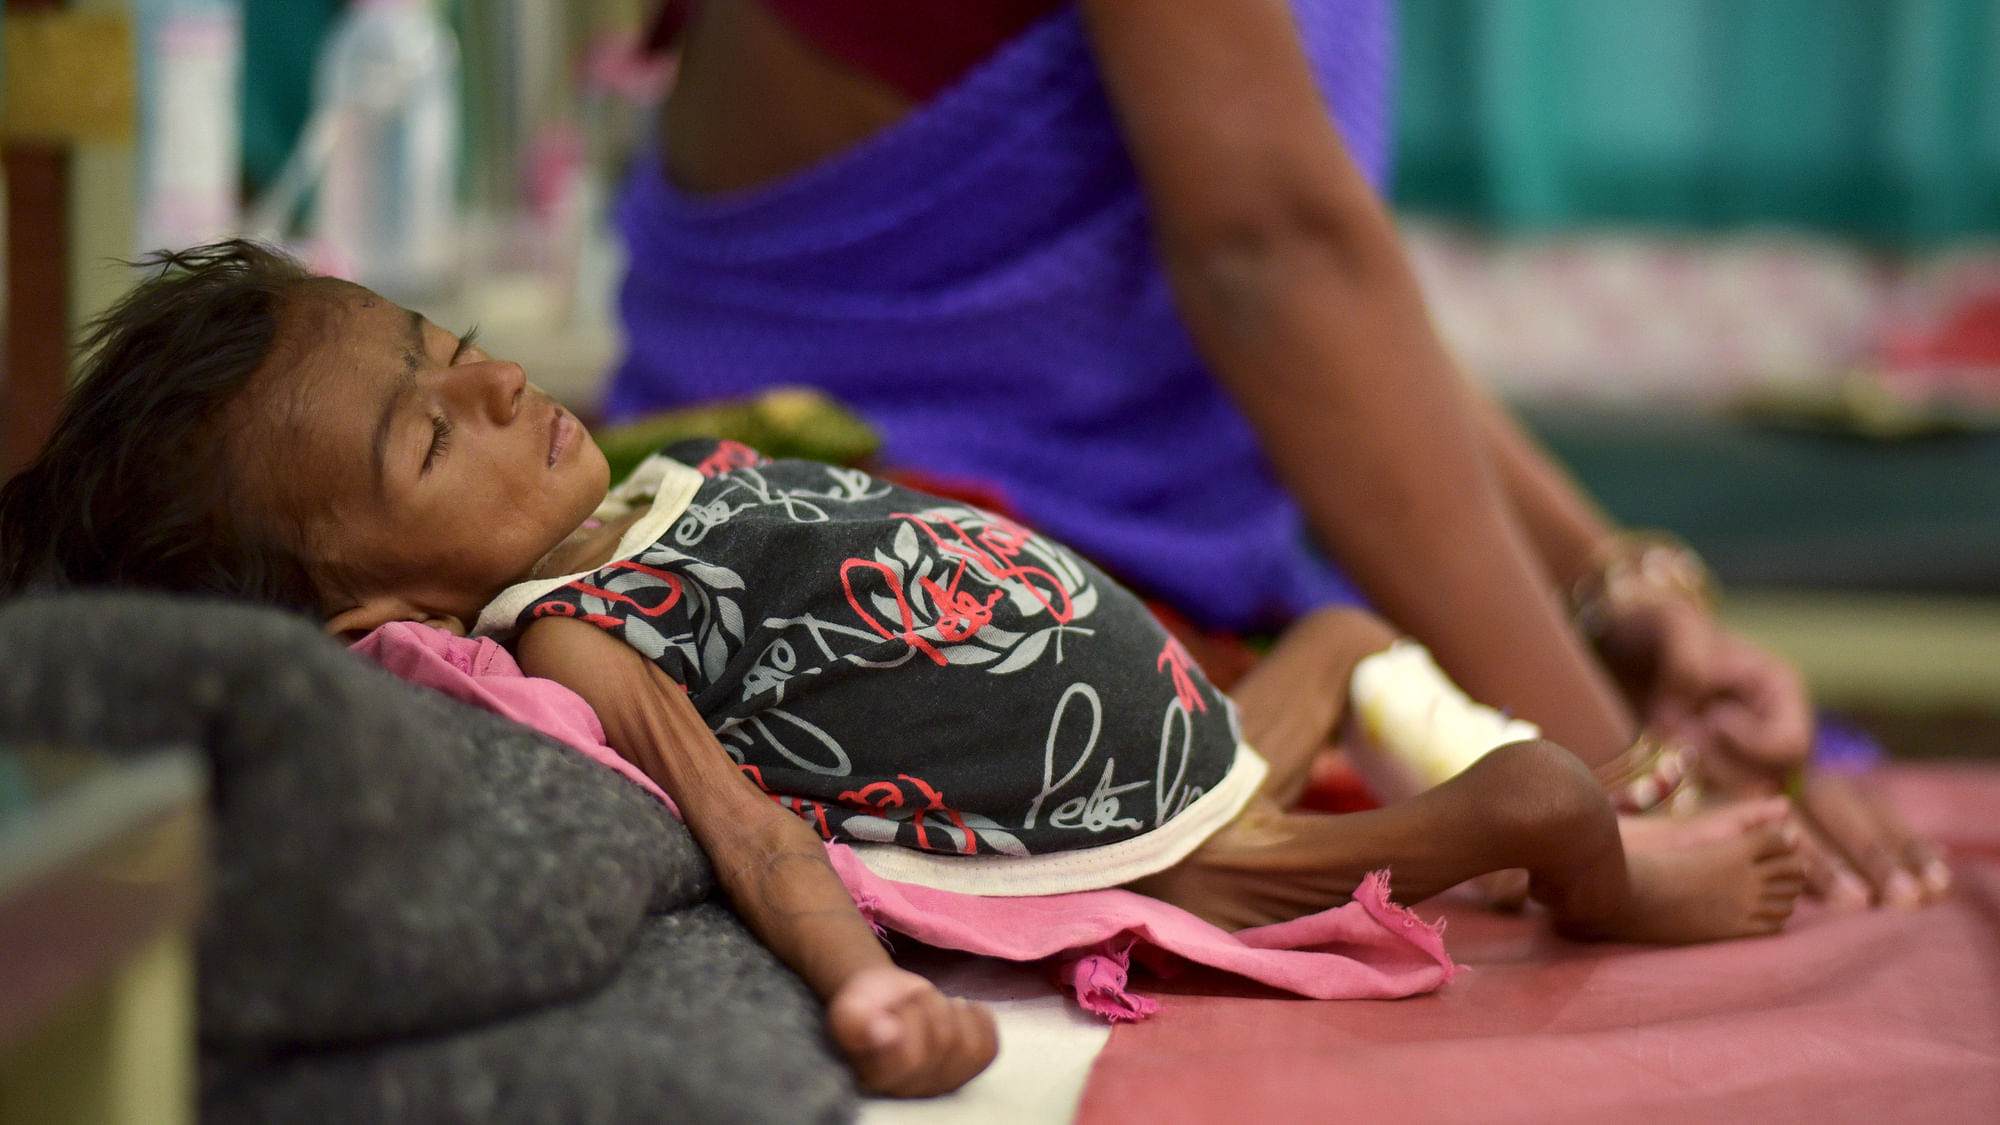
(421, 911)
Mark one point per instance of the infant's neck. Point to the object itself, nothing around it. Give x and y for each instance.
(589, 546)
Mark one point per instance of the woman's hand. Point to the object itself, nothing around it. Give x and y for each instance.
(906, 1039)
(1747, 713)
(1744, 710)
(1896, 866)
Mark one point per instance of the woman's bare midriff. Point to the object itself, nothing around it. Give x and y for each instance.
(755, 102)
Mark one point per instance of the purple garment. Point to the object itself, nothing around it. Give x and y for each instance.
(979, 281)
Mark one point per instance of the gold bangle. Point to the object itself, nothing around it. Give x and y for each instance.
(1633, 563)
(1631, 762)
(1650, 774)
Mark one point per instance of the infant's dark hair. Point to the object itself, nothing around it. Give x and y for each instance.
(134, 489)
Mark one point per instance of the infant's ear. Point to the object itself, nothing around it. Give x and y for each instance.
(357, 621)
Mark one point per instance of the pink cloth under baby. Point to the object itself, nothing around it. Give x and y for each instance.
(1370, 948)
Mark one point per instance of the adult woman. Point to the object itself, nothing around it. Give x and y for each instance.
(1129, 267)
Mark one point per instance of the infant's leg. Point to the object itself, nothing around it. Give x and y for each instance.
(1293, 701)
(1529, 805)
(1344, 674)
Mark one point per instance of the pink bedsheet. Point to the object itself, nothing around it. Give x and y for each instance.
(1877, 1017)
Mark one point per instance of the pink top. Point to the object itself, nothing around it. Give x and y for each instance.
(1370, 948)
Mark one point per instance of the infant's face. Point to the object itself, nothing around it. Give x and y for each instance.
(418, 466)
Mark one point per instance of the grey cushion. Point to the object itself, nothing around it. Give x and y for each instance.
(421, 911)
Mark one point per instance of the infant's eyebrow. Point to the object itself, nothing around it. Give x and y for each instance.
(413, 343)
(406, 383)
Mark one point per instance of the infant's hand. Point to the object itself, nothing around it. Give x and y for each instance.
(905, 1038)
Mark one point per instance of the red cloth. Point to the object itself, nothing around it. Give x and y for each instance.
(919, 47)
(1873, 1017)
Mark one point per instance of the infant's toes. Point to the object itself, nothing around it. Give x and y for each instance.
(1763, 811)
(1788, 870)
(1772, 918)
(1775, 840)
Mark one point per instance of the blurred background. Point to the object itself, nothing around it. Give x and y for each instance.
(1738, 261)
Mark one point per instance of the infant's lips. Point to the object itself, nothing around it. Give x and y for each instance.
(560, 429)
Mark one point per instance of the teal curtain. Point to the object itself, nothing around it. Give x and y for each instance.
(280, 40)
(1873, 118)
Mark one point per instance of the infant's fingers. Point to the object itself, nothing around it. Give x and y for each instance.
(960, 1039)
(943, 1043)
(975, 1043)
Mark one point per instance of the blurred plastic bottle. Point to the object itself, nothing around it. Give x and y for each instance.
(190, 57)
(387, 89)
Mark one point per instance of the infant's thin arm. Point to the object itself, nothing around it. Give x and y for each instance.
(772, 866)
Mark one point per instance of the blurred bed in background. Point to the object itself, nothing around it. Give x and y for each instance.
(1740, 266)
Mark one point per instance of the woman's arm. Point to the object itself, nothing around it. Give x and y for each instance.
(1686, 674)
(902, 1036)
(1565, 527)
(1291, 279)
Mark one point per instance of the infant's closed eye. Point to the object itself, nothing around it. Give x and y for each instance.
(440, 439)
(465, 344)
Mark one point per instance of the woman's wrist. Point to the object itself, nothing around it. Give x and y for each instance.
(1635, 567)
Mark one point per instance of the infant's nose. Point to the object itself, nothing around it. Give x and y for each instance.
(499, 386)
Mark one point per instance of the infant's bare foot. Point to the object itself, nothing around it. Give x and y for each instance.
(1736, 886)
(1655, 833)
(1644, 835)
